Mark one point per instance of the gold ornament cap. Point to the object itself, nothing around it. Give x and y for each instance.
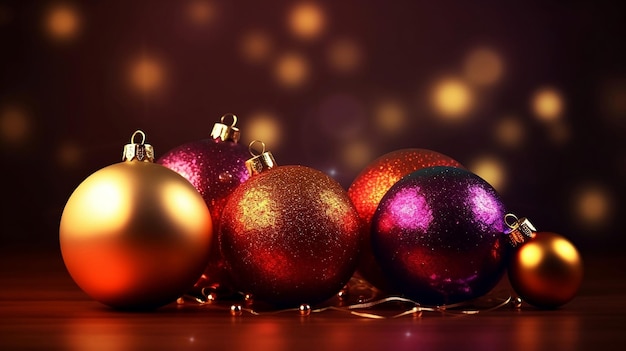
(225, 132)
(140, 151)
(521, 230)
(259, 162)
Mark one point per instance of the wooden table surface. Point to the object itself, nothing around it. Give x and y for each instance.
(41, 308)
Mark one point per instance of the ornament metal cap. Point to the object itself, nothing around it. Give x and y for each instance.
(140, 151)
(225, 132)
(521, 230)
(259, 162)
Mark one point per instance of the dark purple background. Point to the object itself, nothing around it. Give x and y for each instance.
(77, 106)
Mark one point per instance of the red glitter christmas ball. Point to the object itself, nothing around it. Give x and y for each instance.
(290, 235)
(371, 185)
(215, 167)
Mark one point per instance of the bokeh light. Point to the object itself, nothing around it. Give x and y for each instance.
(451, 98)
(15, 126)
(69, 155)
(510, 132)
(306, 20)
(356, 155)
(593, 205)
(344, 55)
(291, 70)
(147, 74)
(491, 169)
(255, 46)
(264, 126)
(547, 104)
(62, 22)
(483, 66)
(201, 12)
(390, 116)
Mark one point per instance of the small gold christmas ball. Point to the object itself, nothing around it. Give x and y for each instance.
(546, 271)
(135, 235)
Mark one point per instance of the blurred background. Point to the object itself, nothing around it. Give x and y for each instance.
(530, 95)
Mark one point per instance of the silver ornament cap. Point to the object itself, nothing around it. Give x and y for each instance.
(521, 229)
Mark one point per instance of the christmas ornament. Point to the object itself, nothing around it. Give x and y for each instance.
(289, 235)
(546, 269)
(135, 235)
(438, 235)
(215, 167)
(369, 187)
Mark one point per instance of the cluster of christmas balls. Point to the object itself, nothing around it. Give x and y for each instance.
(139, 234)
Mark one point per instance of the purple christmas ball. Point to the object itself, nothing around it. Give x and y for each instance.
(215, 167)
(438, 234)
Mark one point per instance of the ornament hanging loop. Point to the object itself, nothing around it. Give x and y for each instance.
(138, 132)
(259, 162)
(507, 219)
(252, 150)
(224, 132)
(141, 152)
(232, 116)
(521, 229)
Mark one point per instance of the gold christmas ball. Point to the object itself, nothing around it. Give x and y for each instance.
(135, 235)
(546, 271)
